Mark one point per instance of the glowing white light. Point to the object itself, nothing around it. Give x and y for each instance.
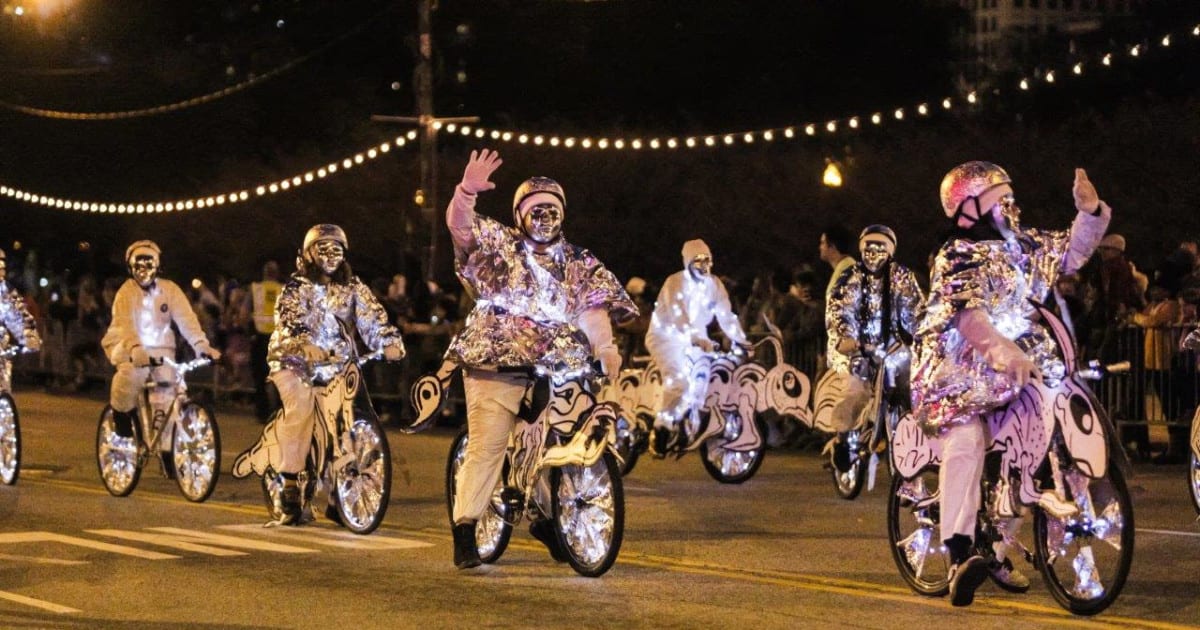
(972, 98)
(479, 133)
(1135, 51)
(569, 142)
(853, 122)
(636, 144)
(728, 139)
(690, 142)
(768, 135)
(709, 141)
(1078, 68)
(523, 138)
(506, 136)
(308, 177)
(465, 130)
(371, 153)
(1107, 59)
(899, 114)
(1166, 41)
(274, 188)
(412, 135)
(1050, 77)
(831, 126)
(495, 134)
(748, 138)
(196, 283)
(671, 143)
(1024, 85)
(586, 143)
(554, 141)
(947, 103)
(654, 143)
(790, 132)
(922, 109)
(347, 163)
(43, 283)
(451, 127)
(538, 140)
(619, 144)
(810, 129)
(261, 190)
(602, 143)
(437, 125)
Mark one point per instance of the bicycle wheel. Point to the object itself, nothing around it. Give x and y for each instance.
(914, 534)
(588, 505)
(118, 458)
(728, 466)
(10, 441)
(196, 450)
(493, 530)
(629, 443)
(362, 483)
(1194, 480)
(849, 483)
(1085, 558)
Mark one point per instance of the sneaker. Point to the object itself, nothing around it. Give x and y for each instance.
(543, 530)
(466, 554)
(841, 453)
(1008, 577)
(659, 439)
(965, 577)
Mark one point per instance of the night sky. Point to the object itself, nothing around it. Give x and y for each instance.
(617, 68)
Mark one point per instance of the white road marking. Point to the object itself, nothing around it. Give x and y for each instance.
(332, 538)
(37, 603)
(1167, 532)
(200, 542)
(37, 560)
(35, 537)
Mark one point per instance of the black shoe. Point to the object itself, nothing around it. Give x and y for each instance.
(965, 577)
(168, 463)
(841, 453)
(659, 438)
(334, 514)
(291, 506)
(543, 530)
(123, 423)
(466, 554)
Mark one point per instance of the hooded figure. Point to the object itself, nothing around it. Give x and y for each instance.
(678, 335)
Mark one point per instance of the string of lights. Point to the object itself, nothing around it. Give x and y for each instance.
(196, 100)
(211, 201)
(786, 132)
(564, 141)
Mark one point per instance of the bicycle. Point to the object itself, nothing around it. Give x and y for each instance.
(1054, 451)
(735, 390)
(560, 464)
(164, 412)
(10, 426)
(873, 427)
(349, 456)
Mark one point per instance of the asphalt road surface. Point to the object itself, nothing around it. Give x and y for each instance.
(780, 551)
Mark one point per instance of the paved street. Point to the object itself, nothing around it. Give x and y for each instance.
(780, 551)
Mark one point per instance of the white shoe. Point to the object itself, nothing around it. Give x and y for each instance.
(1008, 577)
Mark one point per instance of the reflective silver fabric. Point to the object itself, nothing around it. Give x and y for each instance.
(527, 305)
(326, 315)
(18, 324)
(855, 310)
(951, 381)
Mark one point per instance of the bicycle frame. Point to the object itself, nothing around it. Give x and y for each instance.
(156, 418)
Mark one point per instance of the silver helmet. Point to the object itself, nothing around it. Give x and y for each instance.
(325, 232)
(533, 186)
(969, 180)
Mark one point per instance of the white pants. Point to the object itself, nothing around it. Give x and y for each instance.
(128, 383)
(295, 428)
(493, 401)
(959, 476)
(845, 414)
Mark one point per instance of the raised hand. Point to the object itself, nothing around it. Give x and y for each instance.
(1086, 198)
(479, 168)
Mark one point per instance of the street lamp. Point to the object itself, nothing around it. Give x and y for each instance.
(832, 177)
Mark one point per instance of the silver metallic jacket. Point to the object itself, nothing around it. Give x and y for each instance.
(16, 327)
(527, 305)
(844, 315)
(327, 316)
(951, 381)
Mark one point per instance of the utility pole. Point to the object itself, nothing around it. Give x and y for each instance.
(427, 127)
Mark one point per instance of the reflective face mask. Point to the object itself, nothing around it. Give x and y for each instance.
(1009, 215)
(328, 255)
(875, 256)
(543, 223)
(701, 265)
(145, 270)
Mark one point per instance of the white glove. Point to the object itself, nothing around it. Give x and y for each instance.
(479, 168)
(1000, 352)
(610, 361)
(138, 356)
(394, 352)
(33, 344)
(704, 343)
(209, 353)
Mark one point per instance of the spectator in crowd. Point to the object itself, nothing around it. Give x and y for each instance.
(90, 321)
(834, 249)
(1117, 296)
(1158, 318)
(1179, 265)
(263, 295)
(631, 333)
(236, 330)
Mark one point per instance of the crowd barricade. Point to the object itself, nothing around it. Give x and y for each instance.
(1161, 388)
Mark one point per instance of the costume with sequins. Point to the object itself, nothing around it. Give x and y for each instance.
(16, 327)
(527, 304)
(856, 310)
(951, 381)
